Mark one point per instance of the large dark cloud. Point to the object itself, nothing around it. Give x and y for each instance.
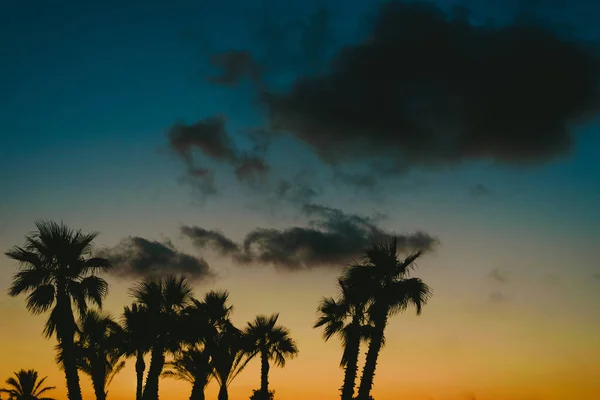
(137, 257)
(332, 238)
(430, 88)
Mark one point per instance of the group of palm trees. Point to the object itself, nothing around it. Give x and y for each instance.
(197, 336)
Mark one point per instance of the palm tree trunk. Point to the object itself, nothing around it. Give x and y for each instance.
(264, 373)
(157, 362)
(366, 382)
(67, 344)
(98, 384)
(197, 390)
(70, 367)
(140, 367)
(223, 394)
(351, 371)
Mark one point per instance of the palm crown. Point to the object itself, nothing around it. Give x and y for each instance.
(57, 271)
(272, 342)
(25, 385)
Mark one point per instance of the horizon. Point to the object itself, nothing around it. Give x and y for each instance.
(259, 148)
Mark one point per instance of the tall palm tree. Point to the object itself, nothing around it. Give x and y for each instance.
(137, 341)
(57, 271)
(99, 353)
(272, 342)
(346, 317)
(164, 299)
(26, 386)
(386, 278)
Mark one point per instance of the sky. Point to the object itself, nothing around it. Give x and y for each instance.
(256, 146)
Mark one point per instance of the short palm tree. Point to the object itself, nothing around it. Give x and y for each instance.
(57, 270)
(271, 342)
(99, 353)
(192, 365)
(391, 290)
(164, 299)
(26, 386)
(201, 322)
(137, 341)
(346, 317)
(231, 353)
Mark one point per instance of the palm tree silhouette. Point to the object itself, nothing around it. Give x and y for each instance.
(26, 386)
(57, 271)
(136, 341)
(346, 317)
(192, 365)
(272, 342)
(386, 278)
(99, 353)
(230, 355)
(164, 299)
(200, 322)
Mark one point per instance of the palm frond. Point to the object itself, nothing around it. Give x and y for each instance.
(41, 299)
(94, 289)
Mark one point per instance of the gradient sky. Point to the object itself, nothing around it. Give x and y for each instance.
(89, 92)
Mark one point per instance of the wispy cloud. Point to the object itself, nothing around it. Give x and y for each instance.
(332, 238)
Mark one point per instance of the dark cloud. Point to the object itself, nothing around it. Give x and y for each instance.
(137, 257)
(208, 135)
(429, 88)
(210, 138)
(213, 239)
(499, 275)
(479, 190)
(251, 167)
(300, 189)
(332, 238)
(596, 276)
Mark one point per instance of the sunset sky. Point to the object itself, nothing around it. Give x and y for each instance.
(178, 128)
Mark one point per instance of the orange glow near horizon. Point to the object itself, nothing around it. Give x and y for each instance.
(433, 356)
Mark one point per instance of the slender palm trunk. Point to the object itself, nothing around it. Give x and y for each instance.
(351, 371)
(197, 390)
(140, 367)
(264, 372)
(366, 382)
(98, 384)
(70, 367)
(157, 362)
(223, 394)
(67, 344)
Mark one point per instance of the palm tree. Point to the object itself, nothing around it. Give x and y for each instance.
(26, 386)
(272, 342)
(164, 299)
(193, 366)
(202, 321)
(346, 318)
(57, 271)
(99, 353)
(230, 355)
(386, 278)
(137, 341)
